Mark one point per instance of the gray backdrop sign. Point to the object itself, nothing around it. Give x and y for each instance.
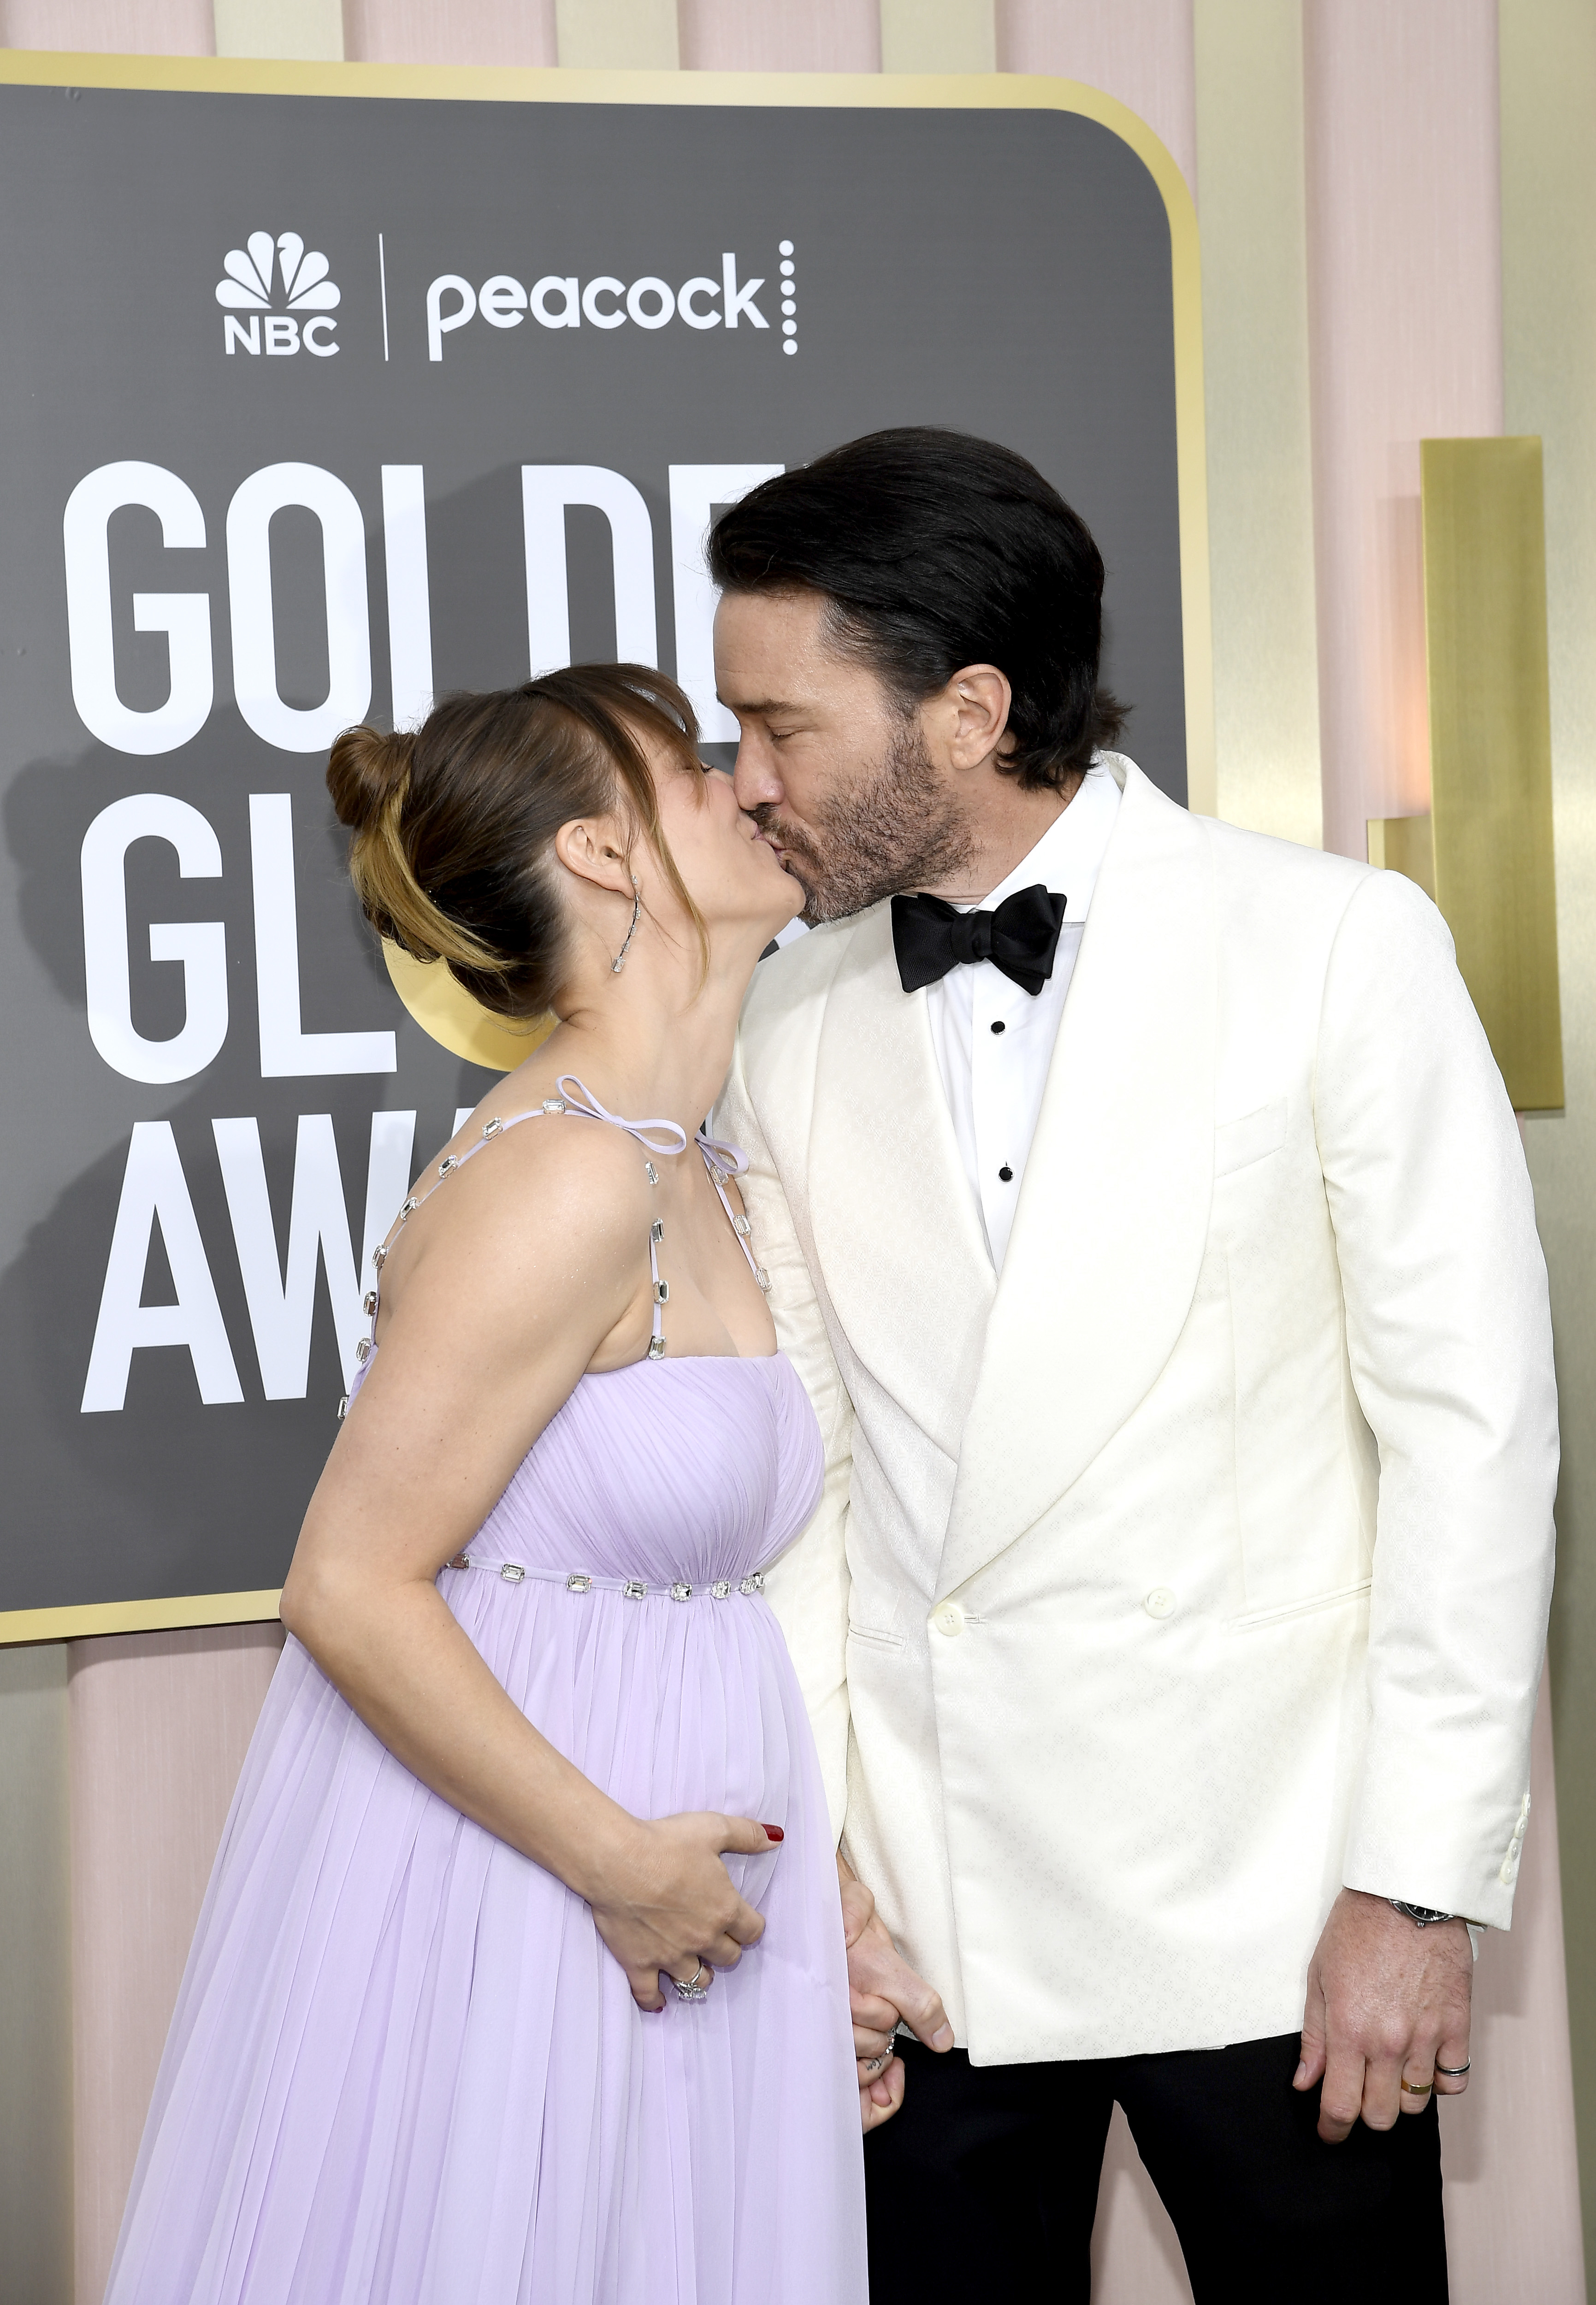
(311, 406)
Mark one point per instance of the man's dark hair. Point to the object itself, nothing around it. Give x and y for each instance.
(937, 550)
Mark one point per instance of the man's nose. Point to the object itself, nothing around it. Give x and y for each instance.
(754, 779)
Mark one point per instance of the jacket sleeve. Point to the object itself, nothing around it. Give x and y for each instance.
(807, 1587)
(1448, 1337)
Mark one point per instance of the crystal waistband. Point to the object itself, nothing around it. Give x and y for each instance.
(515, 1572)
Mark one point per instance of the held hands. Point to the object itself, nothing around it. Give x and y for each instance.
(1387, 2002)
(664, 1900)
(883, 1990)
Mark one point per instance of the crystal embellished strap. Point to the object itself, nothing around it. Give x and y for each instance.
(574, 1096)
(667, 1138)
(516, 1572)
(446, 1168)
(715, 1161)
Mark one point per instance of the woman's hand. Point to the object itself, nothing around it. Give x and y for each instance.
(663, 1901)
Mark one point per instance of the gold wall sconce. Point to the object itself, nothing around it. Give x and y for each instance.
(1484, 852)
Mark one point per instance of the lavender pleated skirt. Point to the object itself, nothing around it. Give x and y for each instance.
(403, 2067)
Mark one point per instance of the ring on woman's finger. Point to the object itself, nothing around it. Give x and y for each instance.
(695, 1987)
(1455, 2072)
(1409, 2088)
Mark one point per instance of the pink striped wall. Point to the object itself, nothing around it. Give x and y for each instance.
(450, 32)
(780, 36)
(139, 27)
(159, 1725)
(1141, 51)
(1507, 2146)
(1405, 285)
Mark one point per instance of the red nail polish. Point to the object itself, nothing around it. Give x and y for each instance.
(773, 1832)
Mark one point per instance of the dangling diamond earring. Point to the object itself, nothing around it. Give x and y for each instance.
(619, 962)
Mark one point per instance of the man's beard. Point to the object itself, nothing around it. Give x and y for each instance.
(897, 829)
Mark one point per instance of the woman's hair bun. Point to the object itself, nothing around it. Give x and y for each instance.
(367, 773)
(454, 827)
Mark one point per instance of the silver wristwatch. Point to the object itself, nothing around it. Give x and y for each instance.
(1421, 1916)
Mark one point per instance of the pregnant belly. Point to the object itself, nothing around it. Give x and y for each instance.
(666, 1706)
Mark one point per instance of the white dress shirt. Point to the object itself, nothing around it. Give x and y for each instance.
(994, 1040)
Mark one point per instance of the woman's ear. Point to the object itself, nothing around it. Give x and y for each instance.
(594, 849)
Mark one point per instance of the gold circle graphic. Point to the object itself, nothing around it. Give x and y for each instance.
(445, 1011)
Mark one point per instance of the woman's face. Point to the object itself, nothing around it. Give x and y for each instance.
(734, 878)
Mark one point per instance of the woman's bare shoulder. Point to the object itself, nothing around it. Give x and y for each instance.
(544, 1211)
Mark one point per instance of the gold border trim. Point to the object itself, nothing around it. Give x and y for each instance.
(76, 1624)
(501, 84)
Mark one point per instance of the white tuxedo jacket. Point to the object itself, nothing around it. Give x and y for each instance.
(1202, 1564)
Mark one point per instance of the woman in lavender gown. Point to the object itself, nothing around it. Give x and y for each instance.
(520, 1975)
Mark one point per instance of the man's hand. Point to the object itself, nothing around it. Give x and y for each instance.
(883, 1991)
(1387, 2002)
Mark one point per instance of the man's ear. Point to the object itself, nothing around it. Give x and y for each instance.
(974, 709)
(594, 849)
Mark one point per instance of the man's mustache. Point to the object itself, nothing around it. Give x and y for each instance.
(786, 837)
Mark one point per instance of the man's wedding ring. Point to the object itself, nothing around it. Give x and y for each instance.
(1455, 2072)
(689, 1988)
(1409, 2088)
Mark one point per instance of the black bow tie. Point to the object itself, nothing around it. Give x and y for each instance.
(1021, 938)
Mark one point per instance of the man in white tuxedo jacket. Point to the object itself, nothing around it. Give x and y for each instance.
(1173, 1621)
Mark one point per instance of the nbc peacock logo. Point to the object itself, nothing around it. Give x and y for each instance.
(276, 281)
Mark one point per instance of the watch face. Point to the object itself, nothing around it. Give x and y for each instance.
(1423, 1913)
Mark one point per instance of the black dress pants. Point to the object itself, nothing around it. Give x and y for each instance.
(986, 2182)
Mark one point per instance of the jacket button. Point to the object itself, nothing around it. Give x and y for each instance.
(949, 1619)
(1160, 1602)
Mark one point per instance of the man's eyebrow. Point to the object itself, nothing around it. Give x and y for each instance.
(765, 707)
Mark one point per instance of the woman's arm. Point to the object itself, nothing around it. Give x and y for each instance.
(500, 1295)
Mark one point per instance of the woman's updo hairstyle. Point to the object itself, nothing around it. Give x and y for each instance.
(454, 824)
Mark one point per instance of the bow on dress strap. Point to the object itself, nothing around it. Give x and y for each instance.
(731, 1160)
(580, 1098)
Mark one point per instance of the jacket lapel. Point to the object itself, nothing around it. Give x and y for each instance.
(1109, 1233)
(896, 1230)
